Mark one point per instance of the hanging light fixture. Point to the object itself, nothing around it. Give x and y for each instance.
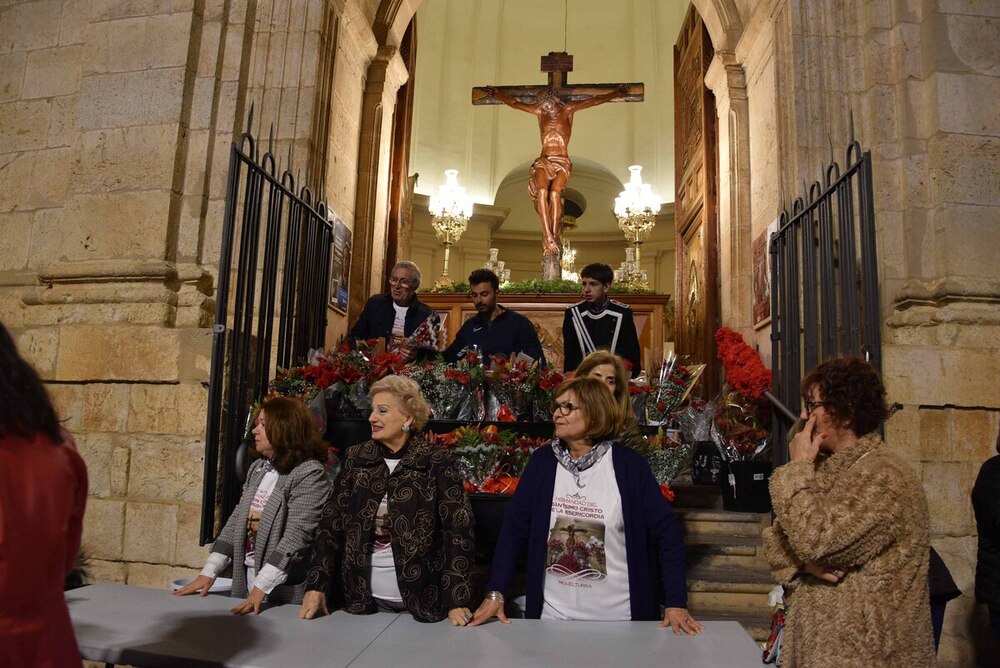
(450, 212)
(636, 208)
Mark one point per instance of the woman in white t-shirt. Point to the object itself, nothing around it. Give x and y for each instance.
(268, 536)
(596, 529)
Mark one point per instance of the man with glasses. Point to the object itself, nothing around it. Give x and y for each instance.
(394, 316)
(599, 322)
(494, 329)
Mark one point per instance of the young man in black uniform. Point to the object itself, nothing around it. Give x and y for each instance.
(495, 329)
(394, 316)
(599, 322)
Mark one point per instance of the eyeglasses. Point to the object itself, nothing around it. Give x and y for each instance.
(811, 405)
(564, 408)
(401, 282)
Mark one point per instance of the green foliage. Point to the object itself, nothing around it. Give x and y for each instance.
(533, 286)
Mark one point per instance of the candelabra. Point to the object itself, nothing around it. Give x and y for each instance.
(450, 211)
(497, 266)
(636, 208)
(568, 262)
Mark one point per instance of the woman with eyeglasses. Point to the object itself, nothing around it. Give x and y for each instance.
(268, 536)
(850, 541)
(397, 533)
(595, 527)
(607, 367)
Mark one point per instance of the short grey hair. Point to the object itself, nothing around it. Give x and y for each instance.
(407, 391)
(410, 266)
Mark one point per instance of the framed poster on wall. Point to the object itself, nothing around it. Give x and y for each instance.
(761, 258)
(340, 266)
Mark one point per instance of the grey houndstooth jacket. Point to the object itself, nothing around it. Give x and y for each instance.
(286, 529)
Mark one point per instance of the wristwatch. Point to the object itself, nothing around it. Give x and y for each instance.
(495, 596)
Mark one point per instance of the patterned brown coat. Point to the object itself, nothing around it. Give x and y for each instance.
(862, 511)
(430, 521)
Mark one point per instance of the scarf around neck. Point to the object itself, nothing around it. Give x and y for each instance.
(577, 466)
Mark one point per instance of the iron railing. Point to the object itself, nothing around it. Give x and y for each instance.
(824, 281)
(270, 307)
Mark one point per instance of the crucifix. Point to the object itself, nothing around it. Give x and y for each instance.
(554, 105)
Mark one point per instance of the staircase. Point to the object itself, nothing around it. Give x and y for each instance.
(728, 578)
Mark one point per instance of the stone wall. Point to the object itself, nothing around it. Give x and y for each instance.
(116, 120)
(922, 81)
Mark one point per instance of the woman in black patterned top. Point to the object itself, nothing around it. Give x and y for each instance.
(397, 533)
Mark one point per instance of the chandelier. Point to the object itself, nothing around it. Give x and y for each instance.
(636, 208)
(450, 211)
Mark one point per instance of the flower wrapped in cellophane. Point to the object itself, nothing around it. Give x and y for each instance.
(743, 416)
(668, 455)
(741, 428)
(669, 387)
(548, 379)
(512, 384)
(429, 335)
(491, 461)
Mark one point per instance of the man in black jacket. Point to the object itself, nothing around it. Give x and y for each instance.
(599, 322)
(495, 329)
(394, 316)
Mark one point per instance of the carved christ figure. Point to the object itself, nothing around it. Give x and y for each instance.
(551, 170)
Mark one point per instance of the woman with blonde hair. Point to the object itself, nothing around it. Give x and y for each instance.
(397, 533)
(597, 531)
(608, 368)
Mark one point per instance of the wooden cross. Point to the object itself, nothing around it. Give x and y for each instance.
(557, 64)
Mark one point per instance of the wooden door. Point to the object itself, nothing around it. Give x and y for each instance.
(696, 200)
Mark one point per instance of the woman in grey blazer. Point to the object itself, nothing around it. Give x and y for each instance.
(268, 536)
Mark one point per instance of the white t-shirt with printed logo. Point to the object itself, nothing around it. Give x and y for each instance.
(586, 575)
(399, 323)
(385, 585)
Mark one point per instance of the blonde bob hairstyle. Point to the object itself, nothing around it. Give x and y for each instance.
(604, 418)
(600, 358)
(409, 395)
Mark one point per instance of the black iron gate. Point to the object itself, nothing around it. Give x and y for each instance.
(824, 281)
(270, 307)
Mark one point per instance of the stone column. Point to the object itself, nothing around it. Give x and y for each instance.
(386, 73)
(725, 78)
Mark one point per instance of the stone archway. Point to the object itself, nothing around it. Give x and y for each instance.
(725, 26)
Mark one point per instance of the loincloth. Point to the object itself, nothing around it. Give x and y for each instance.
(552, 165)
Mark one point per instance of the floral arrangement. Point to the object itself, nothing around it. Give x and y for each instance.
(491, 461)
(745, 372)
(545, 393)
(742, 417)
(669, 388)
(512, 384)
(443, 387)
(740, 430)
(342, 377)
(668, 456)
(534, 286)
(429, 334)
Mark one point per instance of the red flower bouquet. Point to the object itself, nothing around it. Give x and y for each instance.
(742, 418)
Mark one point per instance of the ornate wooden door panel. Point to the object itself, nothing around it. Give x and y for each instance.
(696, 206)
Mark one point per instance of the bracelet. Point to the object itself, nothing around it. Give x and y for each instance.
(494, 596)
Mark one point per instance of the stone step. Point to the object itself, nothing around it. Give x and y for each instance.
(717, 577)
(689, 495)
(710, 556)
(730, 602)
(721, 538)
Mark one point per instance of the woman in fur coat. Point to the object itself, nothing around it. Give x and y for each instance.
(850, 541)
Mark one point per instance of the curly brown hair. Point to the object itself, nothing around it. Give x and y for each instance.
(293, 434)
(852, 393)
